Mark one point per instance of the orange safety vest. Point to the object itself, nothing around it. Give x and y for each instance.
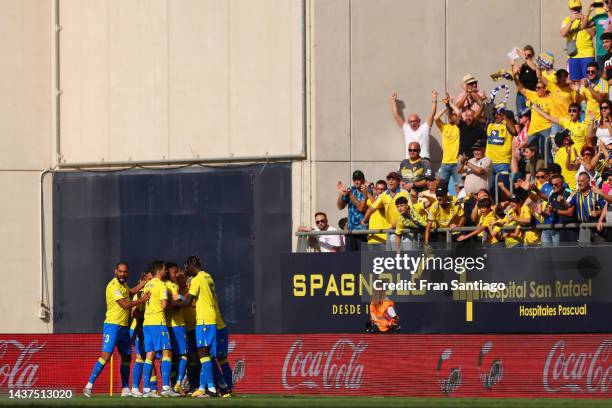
(380, 317)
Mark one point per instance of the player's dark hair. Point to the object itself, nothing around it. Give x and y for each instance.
(122, 263)
(592, 64)
(383, 182)
(171, 265)
(156, 265)
(193, 261)
(401, 200)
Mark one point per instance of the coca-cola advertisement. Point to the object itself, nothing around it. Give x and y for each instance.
(404, 365)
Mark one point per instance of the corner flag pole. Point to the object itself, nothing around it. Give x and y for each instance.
(111, 376)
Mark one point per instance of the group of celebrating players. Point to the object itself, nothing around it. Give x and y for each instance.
(175, 317)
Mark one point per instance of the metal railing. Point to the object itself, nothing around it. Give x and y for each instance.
(496, 186)
(584, 235)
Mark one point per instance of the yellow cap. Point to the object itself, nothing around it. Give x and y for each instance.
(574, 3)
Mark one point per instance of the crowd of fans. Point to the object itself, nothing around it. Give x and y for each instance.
(550, 162)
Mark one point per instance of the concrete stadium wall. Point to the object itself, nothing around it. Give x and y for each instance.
(26, 128)
(170, 79)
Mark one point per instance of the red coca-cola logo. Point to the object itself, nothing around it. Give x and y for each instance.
(337, 368)
(578, 372)
(16, 368)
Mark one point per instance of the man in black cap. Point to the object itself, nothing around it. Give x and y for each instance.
(356, 201)
(478, 169)
(445, 212)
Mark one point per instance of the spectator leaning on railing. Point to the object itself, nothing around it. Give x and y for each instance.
(326, 243)
(587, 205)
(445, 212)
(555, 201)
(486, 222)
(355, 199)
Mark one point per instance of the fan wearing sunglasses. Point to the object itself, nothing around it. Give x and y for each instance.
(577, 129)
(594, 90)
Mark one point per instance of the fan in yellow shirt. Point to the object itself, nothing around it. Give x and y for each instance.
(486, 222)
(566, 155)
(116, 332)
(499, 138)
(387, 200)
(594, 90)
(518, 216)
(377, 219)
(543, 100)
(562, 93)
(578, 130)
(444, 213)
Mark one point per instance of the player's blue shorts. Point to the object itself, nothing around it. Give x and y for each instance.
(192, 345)
(206, 336)
(115, 335)
(178, 339)
(222, 343)
(138, 340)
(156, 338)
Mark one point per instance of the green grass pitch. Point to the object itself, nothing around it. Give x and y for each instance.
(307, 401)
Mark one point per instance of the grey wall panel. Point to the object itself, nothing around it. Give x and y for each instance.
(331, 80)
(25, 89)
(480, 35)
(395, 46)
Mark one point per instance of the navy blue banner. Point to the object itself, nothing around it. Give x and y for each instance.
(325, 293)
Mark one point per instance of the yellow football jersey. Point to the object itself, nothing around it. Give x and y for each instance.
(203, 289)
(174, 316)
(140, 307)
(115, 314)
(154, 312)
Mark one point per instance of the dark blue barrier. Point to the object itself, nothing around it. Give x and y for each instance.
(221, 214)
(322, 293)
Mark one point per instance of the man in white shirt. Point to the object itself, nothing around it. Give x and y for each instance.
(414, 130)
(327, 243)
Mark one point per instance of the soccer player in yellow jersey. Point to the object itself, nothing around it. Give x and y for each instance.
(223, 378)
(137, 338)
(176, 327)
(156, 336)
(116, 331)
(202, 289)
(189, 314)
